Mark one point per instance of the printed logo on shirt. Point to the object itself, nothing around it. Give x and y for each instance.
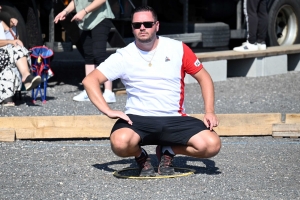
(167, 59)
(197, 63)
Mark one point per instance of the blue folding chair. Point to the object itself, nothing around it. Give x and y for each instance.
(40, 65)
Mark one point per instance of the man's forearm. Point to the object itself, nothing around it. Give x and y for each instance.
(92, 84)
(207, 89)
(208, 98)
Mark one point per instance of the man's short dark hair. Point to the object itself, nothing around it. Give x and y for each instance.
(145, 8)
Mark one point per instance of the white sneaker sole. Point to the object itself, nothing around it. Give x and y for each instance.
(111, 101)
(243, 50)
(81, 99)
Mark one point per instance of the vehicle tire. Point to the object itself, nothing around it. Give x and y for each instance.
(213, 34)
(284, 23)
(21, 29)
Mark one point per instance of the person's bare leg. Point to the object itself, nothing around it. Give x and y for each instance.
(108, 85)
(205, 144)
(125, 143)
(23, 68)
(82, 96)
(108, 94)
(89, 68)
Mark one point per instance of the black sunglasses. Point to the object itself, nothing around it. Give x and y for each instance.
(137, 25)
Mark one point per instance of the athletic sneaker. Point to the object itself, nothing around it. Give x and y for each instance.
(109, 96)
(262, 46)
(165, 160)
(246, 46)
(32, 82)
(81, 97)
(144, 163)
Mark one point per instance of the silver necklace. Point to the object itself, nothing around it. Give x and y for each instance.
(149, 62)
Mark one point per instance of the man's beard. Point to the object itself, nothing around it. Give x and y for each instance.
(145, 40)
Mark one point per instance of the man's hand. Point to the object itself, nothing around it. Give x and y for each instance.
(210, 120)
(115, 114)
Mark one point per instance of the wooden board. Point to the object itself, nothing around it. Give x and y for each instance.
(99, 126)
(286, 130)
(7, 135)
(246, 124)
(292, 118)
(59, 126)
(229, 55)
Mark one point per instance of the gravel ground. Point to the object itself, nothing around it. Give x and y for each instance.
(245, 168)
(269, 94)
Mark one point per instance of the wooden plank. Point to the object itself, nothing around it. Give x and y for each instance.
(67, 127)
(245, 124)
(59, 126)
(99, 126)
(98, 121)
(286, 128)
(62, 132)
(230, 55)
(7, 135)
(121, 92)
(292, 118)
(286, 134)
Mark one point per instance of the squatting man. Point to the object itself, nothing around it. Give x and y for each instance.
(152, 69)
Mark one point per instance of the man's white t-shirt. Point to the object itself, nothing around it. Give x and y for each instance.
(157, 90)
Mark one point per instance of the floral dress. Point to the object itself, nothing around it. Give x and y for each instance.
(10, 77)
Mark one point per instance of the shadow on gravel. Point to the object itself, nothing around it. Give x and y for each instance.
(27, 99)
(179, 161)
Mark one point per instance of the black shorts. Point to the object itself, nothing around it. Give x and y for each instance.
(173, 130)
(94, 42)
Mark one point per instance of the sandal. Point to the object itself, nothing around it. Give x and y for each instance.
(32, 82)
(8, 102)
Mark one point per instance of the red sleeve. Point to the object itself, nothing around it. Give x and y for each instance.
(190, 63)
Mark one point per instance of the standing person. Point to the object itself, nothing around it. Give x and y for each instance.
(94, 19)
(256, 16)
(152, 69)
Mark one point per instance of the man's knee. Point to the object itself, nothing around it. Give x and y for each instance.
(119, 140)
(207, 144)
(122, 142)
(213, 146)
